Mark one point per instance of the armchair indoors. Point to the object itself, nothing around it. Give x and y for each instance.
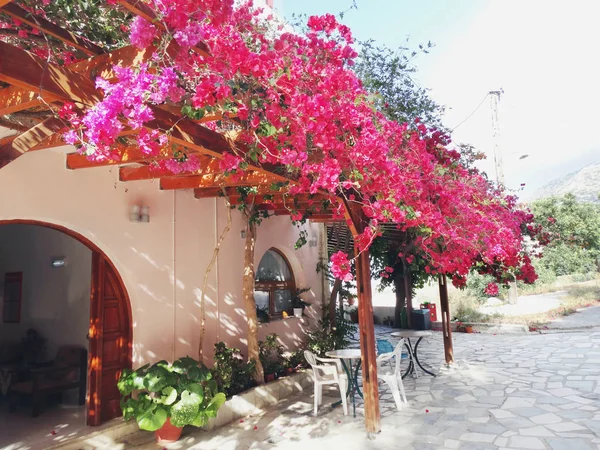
(67, 371)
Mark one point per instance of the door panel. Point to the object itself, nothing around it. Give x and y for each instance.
(110, 341)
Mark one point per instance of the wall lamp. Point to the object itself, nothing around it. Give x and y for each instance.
(60, 261)
(140, 214)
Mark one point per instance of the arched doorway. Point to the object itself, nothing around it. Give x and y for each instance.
(110, 330)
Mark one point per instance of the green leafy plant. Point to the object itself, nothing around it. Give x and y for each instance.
(296, 360)
(262, 315)
(326, 337)
(183, 391)
(232, 374)
(297, 301)
(271, 356)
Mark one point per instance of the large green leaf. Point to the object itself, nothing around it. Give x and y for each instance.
(152, 419)
(214, 405)
(198, 390)
(169, 395)
(129, 408)
(185, 410)
(200, 420)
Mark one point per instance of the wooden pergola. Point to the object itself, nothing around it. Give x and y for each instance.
(32, 89)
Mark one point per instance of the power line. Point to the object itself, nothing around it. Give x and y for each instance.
(474, 111)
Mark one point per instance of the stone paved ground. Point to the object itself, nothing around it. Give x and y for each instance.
(515, 392)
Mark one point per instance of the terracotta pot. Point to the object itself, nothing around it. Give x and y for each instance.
(468, 329)
(269, 377)
(168, 433)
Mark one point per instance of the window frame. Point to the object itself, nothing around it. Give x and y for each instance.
(272, 286)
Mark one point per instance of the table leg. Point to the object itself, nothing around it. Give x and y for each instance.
(417, 359)
(410, 367)
(351, 384)
(358, 364)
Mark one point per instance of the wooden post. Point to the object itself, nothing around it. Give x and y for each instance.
(366, 326)
(446, 330)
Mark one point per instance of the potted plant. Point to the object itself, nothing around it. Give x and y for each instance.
(294, 361)
(270, 353)
(464, 327)
(165, 397)
(298, 304)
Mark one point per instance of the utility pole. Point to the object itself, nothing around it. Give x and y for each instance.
(513, 294)
(494, 100)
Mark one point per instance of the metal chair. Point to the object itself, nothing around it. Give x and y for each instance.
(329, 373)
(392, 375)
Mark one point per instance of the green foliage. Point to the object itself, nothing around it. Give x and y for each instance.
(94, 19)
(231, 373)
(476, 284)
(270, 353)
(297, 301)
(183, 391)
(387, 75)
(262, 314)
(296, 359)
(574, 229)
(325, 338)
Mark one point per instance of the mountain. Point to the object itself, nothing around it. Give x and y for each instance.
(584, 184)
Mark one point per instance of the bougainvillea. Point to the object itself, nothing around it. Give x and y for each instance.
(293, 101)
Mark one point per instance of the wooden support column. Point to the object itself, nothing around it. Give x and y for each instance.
(446, 330)
(366, 326)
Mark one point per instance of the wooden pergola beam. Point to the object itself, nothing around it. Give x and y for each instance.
(14, 99)
(209, 185)
(16, 12)
(446, 329)
(27, 71)
(29, 139)
(231, 191)
(23, 69)
(209, 167)
(283, 199)
(366, 327)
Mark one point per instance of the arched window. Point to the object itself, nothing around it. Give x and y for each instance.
(274, 284)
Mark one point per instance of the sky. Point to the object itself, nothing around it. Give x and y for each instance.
(542, 54)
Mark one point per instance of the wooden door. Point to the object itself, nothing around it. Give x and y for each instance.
(110, 341)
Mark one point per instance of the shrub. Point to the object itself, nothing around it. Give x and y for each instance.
(183, 391)
(232, 374)
(325, 338)
(270, 353)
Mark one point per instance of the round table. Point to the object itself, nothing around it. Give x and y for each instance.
(412, 352)
(347, 355)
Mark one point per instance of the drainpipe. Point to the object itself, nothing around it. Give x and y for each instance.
(217, 292)
(174, 278)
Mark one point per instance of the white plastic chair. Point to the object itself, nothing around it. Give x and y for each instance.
(331, 372)
(392, 375)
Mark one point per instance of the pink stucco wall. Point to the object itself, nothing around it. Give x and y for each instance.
(163, 262)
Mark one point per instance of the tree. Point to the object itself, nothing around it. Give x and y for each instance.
(573, 231)
(387, 75)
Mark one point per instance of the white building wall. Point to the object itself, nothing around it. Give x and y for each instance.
(163, 262)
